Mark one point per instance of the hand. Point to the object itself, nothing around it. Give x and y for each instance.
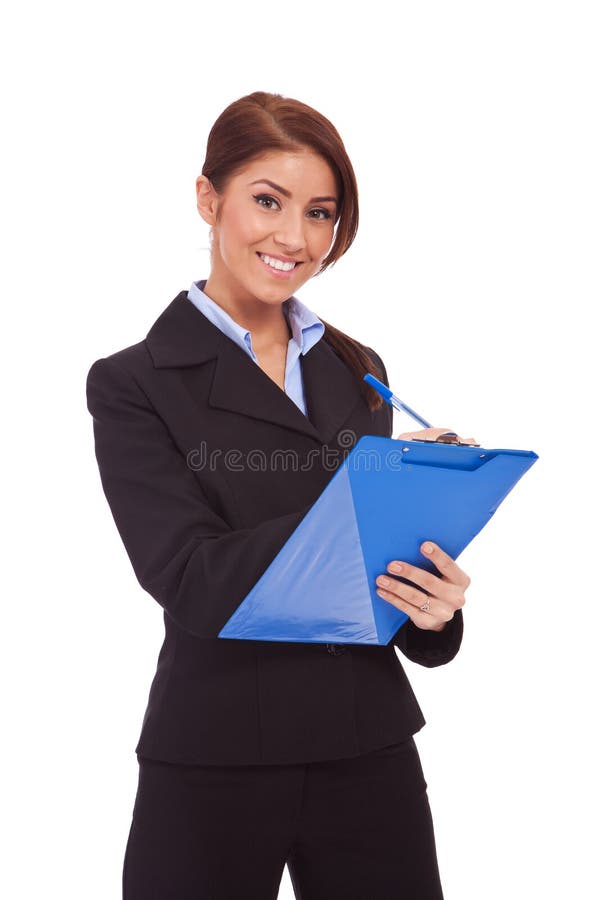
(446, 593)
(431, 434)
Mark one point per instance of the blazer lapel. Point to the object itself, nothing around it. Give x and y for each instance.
(182, 336)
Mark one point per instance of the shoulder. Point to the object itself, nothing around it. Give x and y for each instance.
(119, 374)
(130, 359)
(380, 365)
(136, 359)
(375, 358)
(336, 338)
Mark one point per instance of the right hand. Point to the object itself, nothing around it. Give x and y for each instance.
(431, 434)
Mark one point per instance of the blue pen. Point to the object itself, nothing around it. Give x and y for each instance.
(394, 401)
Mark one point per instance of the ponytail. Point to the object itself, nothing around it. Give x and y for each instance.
(355, 356)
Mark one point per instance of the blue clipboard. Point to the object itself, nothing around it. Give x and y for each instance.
(386, 498)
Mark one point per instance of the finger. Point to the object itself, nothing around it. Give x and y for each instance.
(406, 592)
(425, 434)
(429, 582)
(445, 565)
(425, 620)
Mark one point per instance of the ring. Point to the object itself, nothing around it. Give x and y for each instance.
(425, 606)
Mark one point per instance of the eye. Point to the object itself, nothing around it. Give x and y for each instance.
(325, 212)
(267, 200)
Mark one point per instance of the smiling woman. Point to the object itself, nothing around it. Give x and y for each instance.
(257, 754)
(285, 145)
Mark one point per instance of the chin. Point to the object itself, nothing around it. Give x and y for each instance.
(275, 293)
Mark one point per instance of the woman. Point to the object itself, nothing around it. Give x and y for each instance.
(254, 754)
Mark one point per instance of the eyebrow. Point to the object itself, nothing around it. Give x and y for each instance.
(287, 193)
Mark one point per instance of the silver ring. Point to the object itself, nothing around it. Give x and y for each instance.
(425, 606)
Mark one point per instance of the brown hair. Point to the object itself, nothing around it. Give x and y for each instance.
(262, 123)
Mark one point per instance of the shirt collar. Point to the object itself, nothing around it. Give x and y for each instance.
(306, 327)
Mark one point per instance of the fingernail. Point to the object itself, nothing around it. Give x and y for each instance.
(427, 548)
(383, 580)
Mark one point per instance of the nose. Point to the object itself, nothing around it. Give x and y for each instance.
(290, 235)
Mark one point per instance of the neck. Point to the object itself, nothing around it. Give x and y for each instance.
(267, 322)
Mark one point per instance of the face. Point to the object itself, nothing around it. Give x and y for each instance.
(272, 226)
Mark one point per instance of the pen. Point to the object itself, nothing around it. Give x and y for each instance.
(394, 401)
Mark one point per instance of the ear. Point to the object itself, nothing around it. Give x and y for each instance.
(207, 199)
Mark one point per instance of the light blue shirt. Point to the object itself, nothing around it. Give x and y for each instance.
(306, 328)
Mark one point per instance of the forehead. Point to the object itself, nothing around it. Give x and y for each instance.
(304, 172)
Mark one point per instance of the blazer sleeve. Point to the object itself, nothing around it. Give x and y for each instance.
(183, 553)
(420, 645)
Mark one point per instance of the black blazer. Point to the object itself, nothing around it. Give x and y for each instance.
(185, 425)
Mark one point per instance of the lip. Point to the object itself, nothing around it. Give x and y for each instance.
(277, 273)
(279, 256)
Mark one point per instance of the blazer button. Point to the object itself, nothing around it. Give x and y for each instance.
(336, 649)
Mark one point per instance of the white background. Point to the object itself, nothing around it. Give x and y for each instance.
(473, 128)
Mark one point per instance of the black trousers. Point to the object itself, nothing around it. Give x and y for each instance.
(353, 829)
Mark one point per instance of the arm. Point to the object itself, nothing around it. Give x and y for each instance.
(424, 646)
(183, 554)
(430, 648)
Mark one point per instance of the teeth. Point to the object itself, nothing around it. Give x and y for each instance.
(277, 263)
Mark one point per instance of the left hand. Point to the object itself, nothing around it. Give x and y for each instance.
(446, 593)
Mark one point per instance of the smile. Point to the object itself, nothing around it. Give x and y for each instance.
(277, 264)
